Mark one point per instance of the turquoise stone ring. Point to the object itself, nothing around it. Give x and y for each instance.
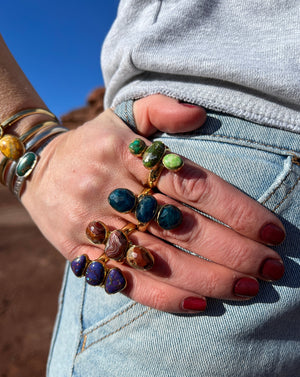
(95, 273)
(115, 281)
(153, 154)
(78, 265)
(26, 164)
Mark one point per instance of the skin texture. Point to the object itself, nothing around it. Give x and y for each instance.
(78, 170)
(71, 184)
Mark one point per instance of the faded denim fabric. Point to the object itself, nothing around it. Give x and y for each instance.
(98, 335)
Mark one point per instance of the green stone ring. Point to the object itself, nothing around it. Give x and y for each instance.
(172, 162)
(155, 157)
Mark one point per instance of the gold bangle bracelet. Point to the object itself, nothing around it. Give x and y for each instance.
(35, 129)
(23, 113)
(3, 165)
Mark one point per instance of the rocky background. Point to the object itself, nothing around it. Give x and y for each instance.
(30, 276)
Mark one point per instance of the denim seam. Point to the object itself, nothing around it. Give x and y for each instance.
(111, 319)
(126, 112)
(158, 9)
(59, 317)
(286, 196)
(291, 152)
(83, 348)
(257, 143)
(81, 326)
(277, 188)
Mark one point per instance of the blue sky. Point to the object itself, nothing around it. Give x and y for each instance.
(57, 44)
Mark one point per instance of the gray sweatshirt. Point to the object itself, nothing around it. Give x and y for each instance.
(233, 56)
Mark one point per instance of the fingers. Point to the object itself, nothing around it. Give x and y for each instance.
(179, 282)
(209, 193)
(165, 297)
(162, 296)
(217, 243)
(220, 244)
(158, 112)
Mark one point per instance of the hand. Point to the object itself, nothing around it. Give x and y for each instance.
(79, 169)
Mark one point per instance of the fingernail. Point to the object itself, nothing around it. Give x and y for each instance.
(272, 269)
(272, 234)
(246, 287)
(188, 104)
(194, 303)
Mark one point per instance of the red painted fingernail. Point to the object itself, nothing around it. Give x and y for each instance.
(194, 303)
(272, 234)
(246, 287)
(272, 269)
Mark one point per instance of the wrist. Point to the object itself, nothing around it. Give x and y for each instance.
(25, 123)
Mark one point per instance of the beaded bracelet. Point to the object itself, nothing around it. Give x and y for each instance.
(11, 146)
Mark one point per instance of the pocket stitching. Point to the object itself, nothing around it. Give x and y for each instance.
(277, 188)
(83, 348)
(286, 196)
(286, 150)
(111, 319)
(254, 142)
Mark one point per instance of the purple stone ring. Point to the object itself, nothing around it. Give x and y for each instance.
(98, 274)
(118, 247)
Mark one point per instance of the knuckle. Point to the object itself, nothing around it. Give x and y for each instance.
(188, 233)
(239, 258)
(241, 217)
(192, 185)
(158, 299)
(70, 250)
(210, 285)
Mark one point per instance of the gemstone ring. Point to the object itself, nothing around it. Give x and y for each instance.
(145, 208)
(155, 158)
(97, 274)
(118, 246)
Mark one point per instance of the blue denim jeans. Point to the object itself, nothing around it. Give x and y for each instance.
(99, 335)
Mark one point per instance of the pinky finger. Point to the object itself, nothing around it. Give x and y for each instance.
(139, 286)
(161, 296)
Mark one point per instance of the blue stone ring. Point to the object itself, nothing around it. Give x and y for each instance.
(145, 208)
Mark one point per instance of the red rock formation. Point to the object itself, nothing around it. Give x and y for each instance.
(93, 107)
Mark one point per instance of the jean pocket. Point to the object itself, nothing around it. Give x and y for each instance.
(104, 316)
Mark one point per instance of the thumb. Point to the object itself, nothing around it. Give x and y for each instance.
(159, 112)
